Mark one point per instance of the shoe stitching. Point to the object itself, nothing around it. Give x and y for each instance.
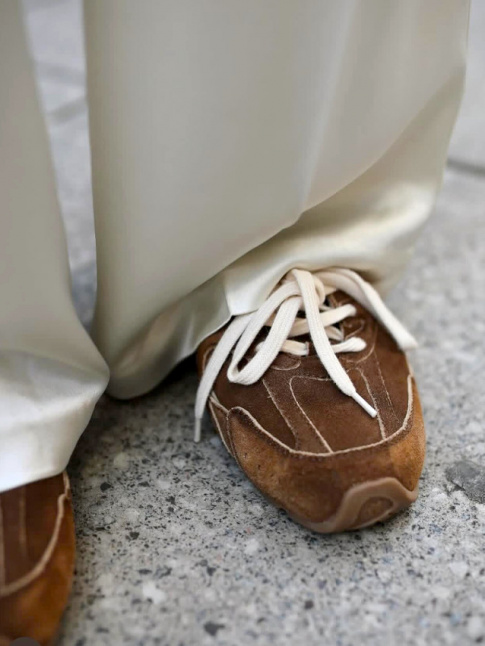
(294, 431)
(22, 522)
(359, 329)
(294, 367)
(205, 355)
(230, 448)
(321, 457)
(382, 427)
(348, 361)
(234, 452)
(231, 441)
(388, 396)
(215, 404)
(215, 400)
(213, 395)
(42, 563)
(328, 379)
(409, 366)
(345, 301)
(2, 548)
(324, 441)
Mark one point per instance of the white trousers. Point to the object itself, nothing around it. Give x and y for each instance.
(231, 141)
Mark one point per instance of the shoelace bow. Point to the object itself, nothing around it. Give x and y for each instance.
(299, 291)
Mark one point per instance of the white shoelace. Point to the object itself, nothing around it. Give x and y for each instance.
(299, 291)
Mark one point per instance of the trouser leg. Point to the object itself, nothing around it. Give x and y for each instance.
(233, 140)
(51, 374)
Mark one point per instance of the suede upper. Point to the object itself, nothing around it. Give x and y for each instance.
(302, 441)
(36, 558)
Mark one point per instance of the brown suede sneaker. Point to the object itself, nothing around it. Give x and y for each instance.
(314, 398)
(36, 559)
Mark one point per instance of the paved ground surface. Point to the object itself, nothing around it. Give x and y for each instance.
(175, 547)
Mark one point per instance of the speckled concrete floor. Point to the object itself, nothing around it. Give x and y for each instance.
(176, 548)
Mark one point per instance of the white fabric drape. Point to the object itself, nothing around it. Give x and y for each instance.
(232, 140)
(51, 374)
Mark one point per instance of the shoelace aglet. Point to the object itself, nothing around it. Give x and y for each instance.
(197, 429)
(365, 405)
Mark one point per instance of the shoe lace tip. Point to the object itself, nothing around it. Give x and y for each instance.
(197, 430)
(413, 344)
(408, 342)
(370, 410)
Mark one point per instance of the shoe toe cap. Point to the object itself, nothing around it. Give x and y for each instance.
(333, 491)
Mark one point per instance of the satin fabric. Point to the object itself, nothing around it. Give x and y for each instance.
(231, 141)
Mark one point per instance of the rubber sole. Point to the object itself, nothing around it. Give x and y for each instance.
(363, 505)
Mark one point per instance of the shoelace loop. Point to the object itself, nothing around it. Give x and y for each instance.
(305, 291)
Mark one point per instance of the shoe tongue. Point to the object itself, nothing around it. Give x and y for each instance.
(333, 300)
(338, 298)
